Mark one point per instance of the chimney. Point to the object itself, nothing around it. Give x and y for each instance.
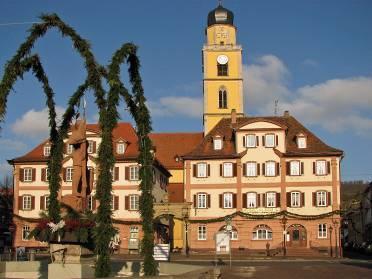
(233, 116)
(286, 113)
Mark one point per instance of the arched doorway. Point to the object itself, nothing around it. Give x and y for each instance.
(296, 236)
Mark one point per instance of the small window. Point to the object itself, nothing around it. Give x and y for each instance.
(134, 173)
(251, 200)
(227, 200)
(27, 174)
(134, 202)
(47, 150)
(217, 144)
(134, 232)
(70, 148)
(321, 198)
(321, 167)
(262, 232)
(270, 140)
(202, 200)
(27, 204)
(25, 232)
(69, 174)
(322, 231)
(295, 199)
(222, 99)
(46, 174)
(90, 203)
(227, 169)
(120, 148)
(301, 142)
(222, 69)
(251, 169)
(250, 141)
(295, 168)
(271, 199)
(270, 168)
(90, 146)
(202, 232)
(201, 170)
(46, 201)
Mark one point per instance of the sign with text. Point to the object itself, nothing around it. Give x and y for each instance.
(161, 252)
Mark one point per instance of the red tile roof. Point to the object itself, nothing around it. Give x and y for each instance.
(315, 146)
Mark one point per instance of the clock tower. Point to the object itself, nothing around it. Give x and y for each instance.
(222, 69)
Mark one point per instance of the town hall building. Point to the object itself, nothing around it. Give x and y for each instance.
(267, 181)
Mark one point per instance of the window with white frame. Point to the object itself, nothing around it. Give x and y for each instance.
(251, 200)
(133, 232)
(301, 142)
(227, 169)
(217, 144)
(69, 174)
(262, 232)
(134, 202)
(47, 150)
(270, 168)
(202, 232)
(25, 232)
(90, 202)
(133, 173)
(234, 235)
(201, 170)
(269, 140)
(46, 174)
(295, 168)
(321, 198)
(90, 146)
(322, 231)
(27, 202)
(227, 200)
(112, 203)
(70, 148)
(271, 199)
(120, 148)
(295, 199)
(251, 169)
(250, 141)
(321, 167)
(27, 174)
(46, 202)
(202, 200)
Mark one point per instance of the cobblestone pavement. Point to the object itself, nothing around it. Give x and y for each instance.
(301, 270)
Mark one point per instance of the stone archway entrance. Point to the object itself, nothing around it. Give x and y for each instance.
(296, 236)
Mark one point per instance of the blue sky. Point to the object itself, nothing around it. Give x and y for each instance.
(315, 57)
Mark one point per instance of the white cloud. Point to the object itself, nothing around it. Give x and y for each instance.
(34, 124)
(11, 144)
(310, 62)
(337, 105)
(181, 106)
(265, 82)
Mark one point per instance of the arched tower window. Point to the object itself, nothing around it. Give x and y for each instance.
(222, 69)
(222, 98)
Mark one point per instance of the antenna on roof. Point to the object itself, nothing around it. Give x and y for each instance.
(276, 107)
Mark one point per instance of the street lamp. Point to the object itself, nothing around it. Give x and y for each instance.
(284, 222)
(185, 214)
(330, 239)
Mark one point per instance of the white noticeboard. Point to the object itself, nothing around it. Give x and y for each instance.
(161, 252)
(222, 242)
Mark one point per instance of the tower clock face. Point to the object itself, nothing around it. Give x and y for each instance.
(222, 59)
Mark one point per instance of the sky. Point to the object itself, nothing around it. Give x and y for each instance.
(314, 57)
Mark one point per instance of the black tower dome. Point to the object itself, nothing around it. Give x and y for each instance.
(220, 15)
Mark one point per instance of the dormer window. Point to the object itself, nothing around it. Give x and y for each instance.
(120, 148)
(70, 149)
(269, 140)
(301, 142)
(217, 143)
(47, 150)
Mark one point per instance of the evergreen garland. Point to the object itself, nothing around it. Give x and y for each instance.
(108, 116)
